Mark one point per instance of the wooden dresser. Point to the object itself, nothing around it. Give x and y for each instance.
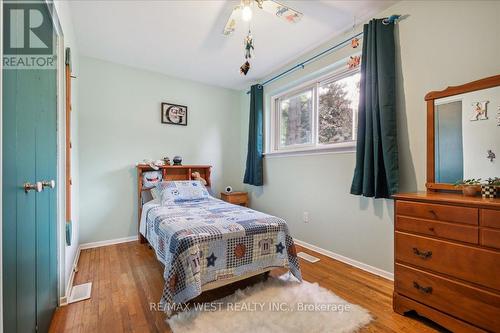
(447, 259)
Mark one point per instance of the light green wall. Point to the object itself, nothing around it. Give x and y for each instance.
(119, 124)
(441, 43)
(68, 253)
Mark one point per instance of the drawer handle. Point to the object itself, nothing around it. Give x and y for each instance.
(422, 254)
(425, 290)
(433, 213)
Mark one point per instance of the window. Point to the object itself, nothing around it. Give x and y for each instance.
(317, 115)
(296, 119)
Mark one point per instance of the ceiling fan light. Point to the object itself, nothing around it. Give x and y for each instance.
(246, 13)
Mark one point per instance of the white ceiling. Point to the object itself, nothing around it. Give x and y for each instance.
(184, 38)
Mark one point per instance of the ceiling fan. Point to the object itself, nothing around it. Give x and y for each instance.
(244, 10)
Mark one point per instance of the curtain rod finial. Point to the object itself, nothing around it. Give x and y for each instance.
(391, 19)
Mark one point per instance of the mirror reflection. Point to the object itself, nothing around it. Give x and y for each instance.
(467, 136)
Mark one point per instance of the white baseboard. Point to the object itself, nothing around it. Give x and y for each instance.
(349, 261)
(330, 254)
(64, 300)
(108, 242)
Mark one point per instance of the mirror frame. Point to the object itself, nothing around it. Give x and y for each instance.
(489, 82)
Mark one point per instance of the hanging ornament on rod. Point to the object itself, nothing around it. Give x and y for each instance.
(355, 42)
(353, 62)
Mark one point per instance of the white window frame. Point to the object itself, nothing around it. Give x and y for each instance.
(277, 117)
(274, 147)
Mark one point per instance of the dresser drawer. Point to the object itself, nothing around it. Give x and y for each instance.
(446, 213)
(237, 200)
(458, 299)
(459, 232)
(490, 238)
(490, 218)
(461, 261)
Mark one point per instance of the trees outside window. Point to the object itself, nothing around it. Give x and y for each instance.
(338, 105)
(322, 114)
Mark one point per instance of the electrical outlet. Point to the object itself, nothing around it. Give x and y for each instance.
(305, 217)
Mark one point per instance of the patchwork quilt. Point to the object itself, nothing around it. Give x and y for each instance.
(208, 240)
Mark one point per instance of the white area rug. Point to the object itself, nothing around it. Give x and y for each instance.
(277, 305)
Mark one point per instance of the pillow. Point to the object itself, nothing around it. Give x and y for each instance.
(155, 193)
(186, 190)
(150, 179)
(146, 196)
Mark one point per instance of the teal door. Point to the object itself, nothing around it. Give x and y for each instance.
(29, 214)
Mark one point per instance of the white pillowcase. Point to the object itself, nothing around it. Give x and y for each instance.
(185, 190)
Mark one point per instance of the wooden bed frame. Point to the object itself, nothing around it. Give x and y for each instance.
(213, 290)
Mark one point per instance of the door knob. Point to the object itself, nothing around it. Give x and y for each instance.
(38, 187)
(49, 183)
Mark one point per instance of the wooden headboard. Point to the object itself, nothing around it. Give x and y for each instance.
(169, 172)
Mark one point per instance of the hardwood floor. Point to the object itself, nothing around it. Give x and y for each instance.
(126, 278)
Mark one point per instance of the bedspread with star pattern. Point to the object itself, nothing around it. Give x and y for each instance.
(208, 240)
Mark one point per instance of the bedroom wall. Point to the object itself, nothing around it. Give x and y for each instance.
(69, 252)
(441, 43)
(119, 125)
(480, 136)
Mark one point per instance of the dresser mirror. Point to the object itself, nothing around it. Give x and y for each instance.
(463, 133)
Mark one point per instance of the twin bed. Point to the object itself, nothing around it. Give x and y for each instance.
(206, 243)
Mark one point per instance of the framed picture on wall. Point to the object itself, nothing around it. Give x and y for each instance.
(174, 114)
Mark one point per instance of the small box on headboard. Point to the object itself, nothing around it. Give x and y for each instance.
(169, 172)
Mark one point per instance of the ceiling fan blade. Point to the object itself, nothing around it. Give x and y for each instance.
(231, 22)
(288, 14)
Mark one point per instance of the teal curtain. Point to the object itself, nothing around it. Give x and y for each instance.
(377, 174)
(253, 172)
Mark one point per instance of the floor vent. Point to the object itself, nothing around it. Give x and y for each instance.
(307, 257)
(80, 292)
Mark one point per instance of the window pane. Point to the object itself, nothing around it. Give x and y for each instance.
(296, 119)
(338, 105)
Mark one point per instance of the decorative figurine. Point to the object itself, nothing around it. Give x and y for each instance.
(491, 155)
(196, 176)
(153, 164)
(159, 163)
(248, 41)
(355, 43)
(479, 111)
(166, 160)
(354, 62)
(177, 160)
(244, 68)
